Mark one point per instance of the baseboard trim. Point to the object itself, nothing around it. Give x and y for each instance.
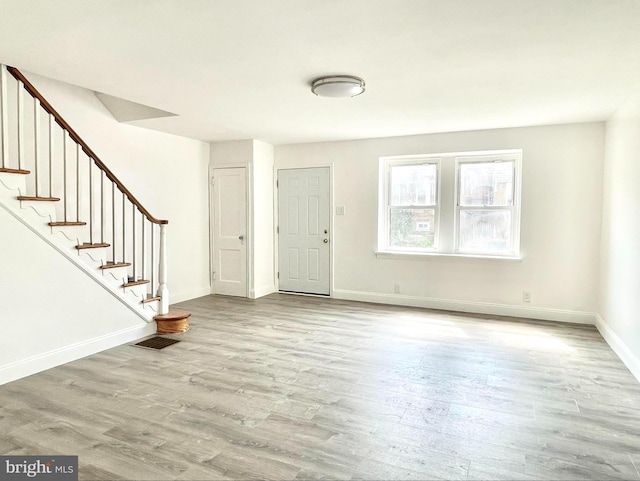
(619, 347)
(188, 295)
(541, 313)
(41, 362)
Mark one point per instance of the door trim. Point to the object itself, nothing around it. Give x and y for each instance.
(248, 223)
(331, 226)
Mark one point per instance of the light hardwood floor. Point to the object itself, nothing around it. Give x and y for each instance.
(288, 387)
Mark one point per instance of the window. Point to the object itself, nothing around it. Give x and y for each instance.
(412, 205)
(451, 204)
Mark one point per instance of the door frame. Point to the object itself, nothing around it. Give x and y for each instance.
(248, 221)
(276, 217)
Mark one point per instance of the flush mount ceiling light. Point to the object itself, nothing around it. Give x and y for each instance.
(338, 86)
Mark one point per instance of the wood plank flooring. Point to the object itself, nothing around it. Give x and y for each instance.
(294, 388)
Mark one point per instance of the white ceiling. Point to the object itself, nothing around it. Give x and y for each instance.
(237, 69)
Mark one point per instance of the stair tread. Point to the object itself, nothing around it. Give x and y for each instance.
(38, 199)
(135, 283)
(92, 246)
(173, 315)
(113, 265)
(174, 322)
(64, 224)
(151, 299)
(14, 171)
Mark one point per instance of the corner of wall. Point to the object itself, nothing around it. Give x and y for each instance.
(619, 347)
(262, 291)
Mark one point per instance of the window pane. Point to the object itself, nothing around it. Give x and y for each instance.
(414, 228)
(486, 183)
(413, 184)
(485, 231)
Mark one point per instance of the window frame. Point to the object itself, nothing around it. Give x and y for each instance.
(447, 209)
(384, 240)
(514, 208)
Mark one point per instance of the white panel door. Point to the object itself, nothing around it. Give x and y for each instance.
(303, 230)
(229, 232)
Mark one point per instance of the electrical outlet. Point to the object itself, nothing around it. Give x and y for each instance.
(526, 296)
(396, 288)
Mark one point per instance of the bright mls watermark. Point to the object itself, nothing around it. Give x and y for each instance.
(52, 468)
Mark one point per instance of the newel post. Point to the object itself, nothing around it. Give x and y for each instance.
(176, 320)
(163, 291)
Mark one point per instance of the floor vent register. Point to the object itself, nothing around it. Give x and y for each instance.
(156, 342)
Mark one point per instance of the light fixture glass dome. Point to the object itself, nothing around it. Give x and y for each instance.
(338, 86)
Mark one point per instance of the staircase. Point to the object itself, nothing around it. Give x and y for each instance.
(53, 182)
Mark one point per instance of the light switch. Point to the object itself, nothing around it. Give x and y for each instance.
(340, 210)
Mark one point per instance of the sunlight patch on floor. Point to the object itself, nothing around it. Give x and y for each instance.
(419, 328)
(536, 340)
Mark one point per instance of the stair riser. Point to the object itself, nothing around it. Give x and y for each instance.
(139, 291)
(13, 182)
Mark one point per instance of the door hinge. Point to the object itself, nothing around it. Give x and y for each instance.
(213, 180)
(214, 275)
(277, 184)
(277, 229)
(278, 275)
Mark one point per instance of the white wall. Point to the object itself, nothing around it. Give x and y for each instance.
(166, 173)
(232, 153)
(561, 218)
(619, 294)
(51, 311)
(263, 226)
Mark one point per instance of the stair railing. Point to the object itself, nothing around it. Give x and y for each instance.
(93, 198)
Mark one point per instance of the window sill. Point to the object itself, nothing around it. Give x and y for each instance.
(426, 255)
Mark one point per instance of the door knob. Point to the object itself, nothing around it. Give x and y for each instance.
(325, 241)
(241, 237)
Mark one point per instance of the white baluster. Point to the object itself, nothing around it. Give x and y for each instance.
(36, 138)
(20, 124)
(51, 147)
(4, 124)
(163, 291)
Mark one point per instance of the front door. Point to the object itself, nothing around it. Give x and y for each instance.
(303, 230)
(229, 232)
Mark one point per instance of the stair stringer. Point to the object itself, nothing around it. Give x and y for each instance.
(36, 216)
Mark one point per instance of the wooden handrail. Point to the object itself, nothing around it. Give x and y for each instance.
(76, 138)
